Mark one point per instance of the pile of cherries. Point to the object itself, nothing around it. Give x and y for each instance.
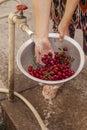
(57, 67)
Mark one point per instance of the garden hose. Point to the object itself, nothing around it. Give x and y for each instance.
(29, 105)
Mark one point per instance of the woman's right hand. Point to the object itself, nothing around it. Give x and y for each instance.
(42, 46)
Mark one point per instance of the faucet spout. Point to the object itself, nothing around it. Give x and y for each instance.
(25, 27)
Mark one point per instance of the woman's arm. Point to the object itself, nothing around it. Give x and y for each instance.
(69, 10)
(41, 12)
(42, 15)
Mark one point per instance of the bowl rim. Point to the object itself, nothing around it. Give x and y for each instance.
(54, 35)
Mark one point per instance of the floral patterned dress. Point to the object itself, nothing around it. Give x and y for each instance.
(79, 18)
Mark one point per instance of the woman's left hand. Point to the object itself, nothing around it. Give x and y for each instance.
(63, 29)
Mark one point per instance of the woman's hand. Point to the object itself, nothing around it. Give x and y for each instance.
(42, 46)
(63, 29)
(69, 10)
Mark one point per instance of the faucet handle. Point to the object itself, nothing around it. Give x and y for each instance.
(20, 8)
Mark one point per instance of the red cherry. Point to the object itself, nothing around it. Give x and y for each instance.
(30, 68)
(65, 49)
(50, 54)
(57, 68)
